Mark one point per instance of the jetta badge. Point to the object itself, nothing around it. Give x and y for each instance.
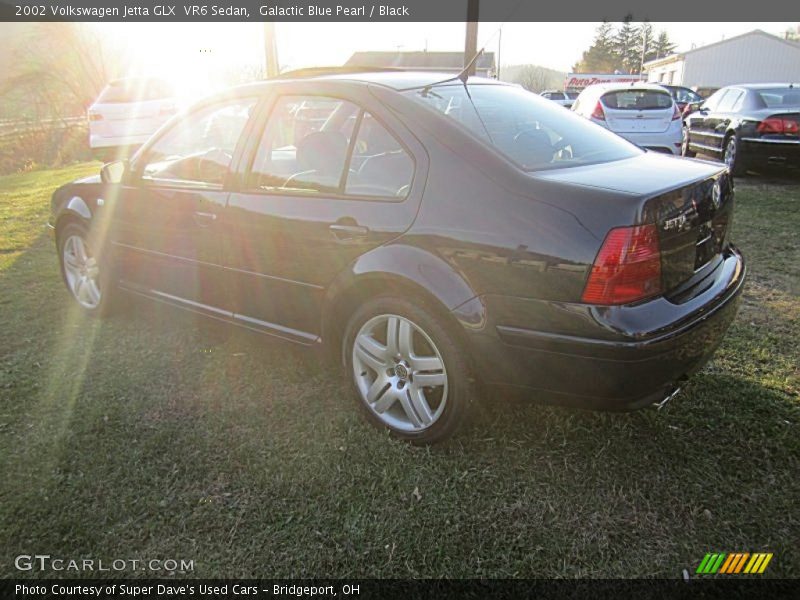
(716, 194)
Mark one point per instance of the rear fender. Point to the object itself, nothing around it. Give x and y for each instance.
(402, 267)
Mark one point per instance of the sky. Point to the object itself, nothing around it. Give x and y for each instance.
(187, 50)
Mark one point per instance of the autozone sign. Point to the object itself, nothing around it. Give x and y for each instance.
(578, 81)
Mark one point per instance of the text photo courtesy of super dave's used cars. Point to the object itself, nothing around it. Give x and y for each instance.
(444, 238)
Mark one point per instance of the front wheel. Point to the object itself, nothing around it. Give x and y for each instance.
(408, 370)
(85, 275)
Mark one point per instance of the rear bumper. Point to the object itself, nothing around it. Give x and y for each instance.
(613, 358)
(97, 141)
(668, 141)
(770, 152)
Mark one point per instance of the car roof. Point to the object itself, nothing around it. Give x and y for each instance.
(763, 86)
(391, 78)
(613, 87)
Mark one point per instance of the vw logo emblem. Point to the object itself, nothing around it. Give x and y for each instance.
(716, 194)
(401, 371)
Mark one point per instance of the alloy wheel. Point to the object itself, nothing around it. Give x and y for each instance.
(730, 154)
(399, 373)
(81, 272)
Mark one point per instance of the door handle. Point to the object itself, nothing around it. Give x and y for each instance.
(204, 219)
(345, 233)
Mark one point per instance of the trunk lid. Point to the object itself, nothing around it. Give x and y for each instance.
(693, 223)
(689, 201)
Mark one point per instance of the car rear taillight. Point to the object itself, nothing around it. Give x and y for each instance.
(627, 268)
(778, 125)
(598, 113)
(676, 113)
(93, 116)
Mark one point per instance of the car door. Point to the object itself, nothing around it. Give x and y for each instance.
(701, 129)
(718, 121)
(330, 178)
(166, 236)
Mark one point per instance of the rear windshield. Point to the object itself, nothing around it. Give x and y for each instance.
(780, 97)
(134, 90)
(638, 100)
(572, 95)
(533, 132)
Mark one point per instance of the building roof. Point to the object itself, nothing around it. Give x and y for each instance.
(681, 55)
(437, 61)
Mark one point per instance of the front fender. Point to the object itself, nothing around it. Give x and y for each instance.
(77, 206)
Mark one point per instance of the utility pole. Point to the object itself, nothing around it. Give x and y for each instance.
(499, 48)
(270, 50)
(471, 41)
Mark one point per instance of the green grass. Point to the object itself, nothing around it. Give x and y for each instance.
(155, 436)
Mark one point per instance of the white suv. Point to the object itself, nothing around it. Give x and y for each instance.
(642, 113)
(128, 111)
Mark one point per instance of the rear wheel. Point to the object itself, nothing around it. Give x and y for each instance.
(731, 157)
(685, 151)
(408, 371)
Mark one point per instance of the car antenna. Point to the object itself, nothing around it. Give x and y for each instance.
(462, 76)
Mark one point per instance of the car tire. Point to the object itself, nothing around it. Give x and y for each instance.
(88, 278)
(730, 156)
(388, 371)
(685, 151)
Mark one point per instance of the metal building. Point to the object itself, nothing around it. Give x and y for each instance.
(754, 57)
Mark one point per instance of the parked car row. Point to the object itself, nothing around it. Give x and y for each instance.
(439, 237)
(748, 126)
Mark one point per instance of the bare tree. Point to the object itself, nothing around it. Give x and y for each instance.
(533, 78)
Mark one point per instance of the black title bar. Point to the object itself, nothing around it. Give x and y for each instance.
(389, 589)
(395, 10)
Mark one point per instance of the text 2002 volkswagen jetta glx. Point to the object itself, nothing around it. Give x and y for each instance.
(439, 236)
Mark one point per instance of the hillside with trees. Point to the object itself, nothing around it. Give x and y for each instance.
(623, 47)
(533, 77)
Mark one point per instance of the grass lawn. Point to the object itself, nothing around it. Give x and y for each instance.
(151, 436)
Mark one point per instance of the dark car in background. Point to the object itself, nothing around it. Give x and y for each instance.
(750, 126)
(438, 236)
(683, 96)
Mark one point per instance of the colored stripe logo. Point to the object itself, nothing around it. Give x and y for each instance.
(734, 563)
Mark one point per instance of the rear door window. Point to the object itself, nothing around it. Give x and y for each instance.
(637, 100)
(304, 146)
(379, 166)
(311, 146)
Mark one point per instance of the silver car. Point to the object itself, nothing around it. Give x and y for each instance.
(643, 113)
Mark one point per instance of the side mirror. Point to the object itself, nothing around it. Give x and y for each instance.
(114, 172)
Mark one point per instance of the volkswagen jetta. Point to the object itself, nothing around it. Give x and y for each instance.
(440, 236)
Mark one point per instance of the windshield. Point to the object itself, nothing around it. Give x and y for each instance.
(638, 100)
(531, 131)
